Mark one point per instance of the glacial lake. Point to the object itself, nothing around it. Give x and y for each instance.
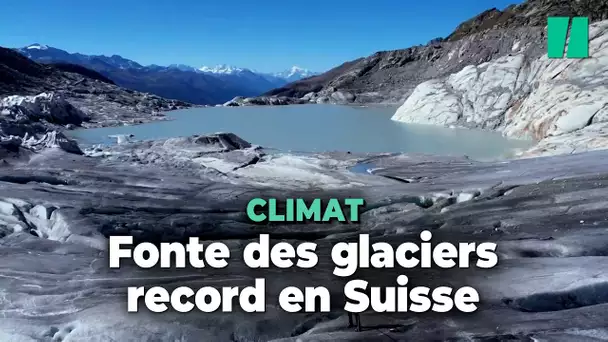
(317, 128)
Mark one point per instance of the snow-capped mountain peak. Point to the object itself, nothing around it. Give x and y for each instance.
(221, 69)
(295, 73)
(296, 70)
(37, 47)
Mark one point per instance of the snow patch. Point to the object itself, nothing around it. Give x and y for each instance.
(295, 72)
(515, 46)
(222, 69)
(37, 47)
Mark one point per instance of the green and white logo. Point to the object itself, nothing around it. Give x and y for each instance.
(557, 33)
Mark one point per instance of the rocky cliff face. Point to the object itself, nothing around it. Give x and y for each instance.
(391, 76)
(523, 96)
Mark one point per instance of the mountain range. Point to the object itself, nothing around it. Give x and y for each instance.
(204, 85)
(38, 97)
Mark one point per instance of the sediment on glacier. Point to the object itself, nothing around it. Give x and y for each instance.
(58, 207)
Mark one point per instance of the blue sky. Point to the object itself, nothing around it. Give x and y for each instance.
(266, 35)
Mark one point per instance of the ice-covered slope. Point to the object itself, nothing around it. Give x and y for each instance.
(176, 81)
(559, 100)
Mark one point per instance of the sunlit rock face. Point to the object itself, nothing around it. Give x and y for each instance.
(522, 97)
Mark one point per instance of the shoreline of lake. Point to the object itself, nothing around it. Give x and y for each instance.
(315, 129)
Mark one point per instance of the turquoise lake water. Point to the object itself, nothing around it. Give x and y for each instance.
(317, 128)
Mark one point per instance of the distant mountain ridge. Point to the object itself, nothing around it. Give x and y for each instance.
(204, 85)
(47, 54)
(222, 69)
(39, 97)
(293, 74)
